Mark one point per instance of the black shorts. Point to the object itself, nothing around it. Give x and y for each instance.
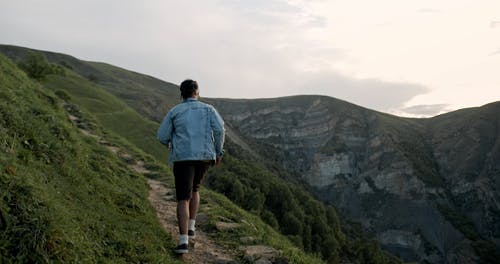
(188, 176)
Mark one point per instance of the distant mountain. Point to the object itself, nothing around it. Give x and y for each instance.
(427, 189)
(302, 229)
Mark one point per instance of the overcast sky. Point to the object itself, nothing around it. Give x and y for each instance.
(412, 58)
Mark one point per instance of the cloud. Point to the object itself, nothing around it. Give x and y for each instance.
(494, 24)
(429, 10)
(274, 13)
(316, 22)
(261, 6)
(424, 110)
(234, 48)
(497, 52)
(372, 93)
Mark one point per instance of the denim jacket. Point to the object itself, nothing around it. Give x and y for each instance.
(194, 130)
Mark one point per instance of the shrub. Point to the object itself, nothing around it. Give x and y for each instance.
(37, 67)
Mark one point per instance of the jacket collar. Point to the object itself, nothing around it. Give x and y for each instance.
(190, 99)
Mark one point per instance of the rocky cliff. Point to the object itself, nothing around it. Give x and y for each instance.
(426, 188)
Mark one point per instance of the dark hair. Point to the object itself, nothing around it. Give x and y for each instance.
(188, 87)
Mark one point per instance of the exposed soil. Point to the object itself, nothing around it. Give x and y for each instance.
(204, 249)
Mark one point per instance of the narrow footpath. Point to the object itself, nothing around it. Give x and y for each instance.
(204, 250)
(162, 198)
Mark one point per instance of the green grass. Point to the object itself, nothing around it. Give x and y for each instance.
(110, 112)
(121, 125)
(115, 116)
(114, 120)
(137, 89)
(219, 208)
(64, 197)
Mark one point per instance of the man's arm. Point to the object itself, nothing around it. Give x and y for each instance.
(217, 125)
(165, 131)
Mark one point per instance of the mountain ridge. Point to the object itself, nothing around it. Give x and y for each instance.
(106, 110)
(392, 174)
(367, 152)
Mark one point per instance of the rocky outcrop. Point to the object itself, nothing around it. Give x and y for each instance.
(405, 180)
(428, 189)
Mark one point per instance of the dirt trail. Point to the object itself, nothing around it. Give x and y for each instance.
(162, 198)
(205, 250)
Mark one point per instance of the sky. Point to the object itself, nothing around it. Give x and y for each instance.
(409, 58)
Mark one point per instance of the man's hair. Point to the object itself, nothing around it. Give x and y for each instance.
(188, 87)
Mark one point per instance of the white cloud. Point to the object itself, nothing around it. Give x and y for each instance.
(494, 24)
(265, 48)
(497, 52)
(423, 110)
(372, 93)
(430, 10)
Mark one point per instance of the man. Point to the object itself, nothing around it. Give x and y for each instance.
(195, 133)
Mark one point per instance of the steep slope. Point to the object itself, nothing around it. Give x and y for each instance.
(88, 95)
(111, 112)
(466, 145)
(133, 88)
(427, 188)
(65, 198)
(392, 174)
(249, 232)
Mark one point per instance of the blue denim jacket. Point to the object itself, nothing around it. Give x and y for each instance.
(194, 130)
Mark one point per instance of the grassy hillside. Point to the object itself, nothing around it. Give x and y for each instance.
(111, 113)
(65, 198)
(310, 225)
(124, 102)
(110, 118)
(143, 93)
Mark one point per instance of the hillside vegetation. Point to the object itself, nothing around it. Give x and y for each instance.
(426, 188)
(69, 199)
(65, 198)
(308, 224)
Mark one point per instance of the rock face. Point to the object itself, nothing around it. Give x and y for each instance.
(428, 189)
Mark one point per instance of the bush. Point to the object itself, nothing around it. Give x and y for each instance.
(37, 67)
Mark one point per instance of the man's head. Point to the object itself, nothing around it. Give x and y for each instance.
(189, 88)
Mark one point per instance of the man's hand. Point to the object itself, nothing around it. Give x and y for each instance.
(218, 161)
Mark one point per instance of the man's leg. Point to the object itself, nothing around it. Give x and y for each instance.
(184, 174)
(194, 204)
(183, 208)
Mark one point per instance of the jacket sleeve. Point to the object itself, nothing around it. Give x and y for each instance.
(165, 131)
(217, 125)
